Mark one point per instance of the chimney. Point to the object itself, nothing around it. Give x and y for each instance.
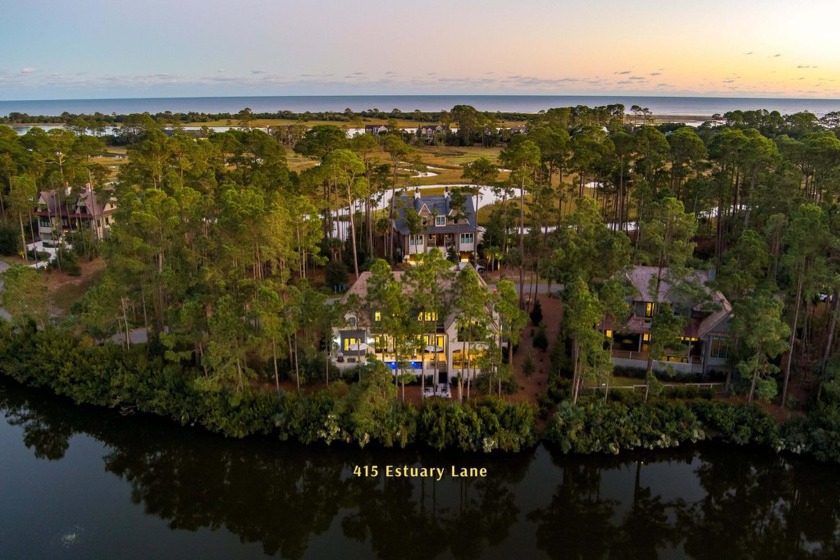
(446, 192)
(417, 203)
(67, 191)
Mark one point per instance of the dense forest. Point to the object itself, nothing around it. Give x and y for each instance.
(221, 251)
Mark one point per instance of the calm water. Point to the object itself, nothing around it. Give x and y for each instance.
(688, 106)
(82, 483)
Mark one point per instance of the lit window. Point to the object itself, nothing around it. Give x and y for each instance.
(377, 316)
(608, 333)
(348, 341)
(719, 347)
(649, 309)
(427, 316)
(646, 337)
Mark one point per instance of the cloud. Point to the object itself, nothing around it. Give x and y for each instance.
(27, 70)
(622, 72)
(257, 71)
(748, 53)
(655, 74)
(637, 78)
(777, 55)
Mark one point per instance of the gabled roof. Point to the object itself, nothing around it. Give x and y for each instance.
(51, 200)
(641, 278)
(93, 203)
(438, 205)
(56, 204)
(360, 290)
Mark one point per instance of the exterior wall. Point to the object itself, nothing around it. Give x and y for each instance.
(415, 249)
(425, 365)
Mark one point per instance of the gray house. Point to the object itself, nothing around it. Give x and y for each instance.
(434, 222)
(706, 334)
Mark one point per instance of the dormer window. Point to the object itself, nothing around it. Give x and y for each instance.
(440, 220)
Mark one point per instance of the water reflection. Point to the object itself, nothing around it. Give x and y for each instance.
(705, 502)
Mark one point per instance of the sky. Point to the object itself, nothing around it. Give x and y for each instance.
(63, 49)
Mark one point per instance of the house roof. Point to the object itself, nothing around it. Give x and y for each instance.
(360, 290)
(67, 204)
(437, 205)
(700, 325)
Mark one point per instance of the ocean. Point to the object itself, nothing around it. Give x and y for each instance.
(677, 106)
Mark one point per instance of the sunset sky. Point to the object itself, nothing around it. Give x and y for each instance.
(163, 48)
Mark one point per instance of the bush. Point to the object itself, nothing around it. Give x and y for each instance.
(536, 313)
(68, 262)
(540, 339)
(83, 243)
(9, 239)
(528, 366)
(485, 425)
(627, 396)
(38, 255)
(593, 426)
(336, 274)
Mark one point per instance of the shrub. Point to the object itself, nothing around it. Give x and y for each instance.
(536, 313)
(67, 262)
(336, 274)
(540, 339)
(528, 366)
(9, 239)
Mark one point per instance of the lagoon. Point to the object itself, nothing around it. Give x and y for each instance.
(80, 482)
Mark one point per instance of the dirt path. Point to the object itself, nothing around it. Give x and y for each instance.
(531, 386)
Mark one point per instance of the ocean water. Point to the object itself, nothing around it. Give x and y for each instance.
(680, 106)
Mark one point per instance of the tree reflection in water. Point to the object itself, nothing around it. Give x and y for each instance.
(703, 502)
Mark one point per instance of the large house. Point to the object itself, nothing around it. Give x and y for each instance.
(446, 341)
(60, 212)
(706, 334)
(434, 222)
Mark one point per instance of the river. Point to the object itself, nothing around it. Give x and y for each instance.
(77, 482)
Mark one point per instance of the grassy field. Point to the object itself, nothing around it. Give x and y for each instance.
(66, 290)
(446, 162)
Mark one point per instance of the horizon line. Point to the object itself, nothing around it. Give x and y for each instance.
(481, 95)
